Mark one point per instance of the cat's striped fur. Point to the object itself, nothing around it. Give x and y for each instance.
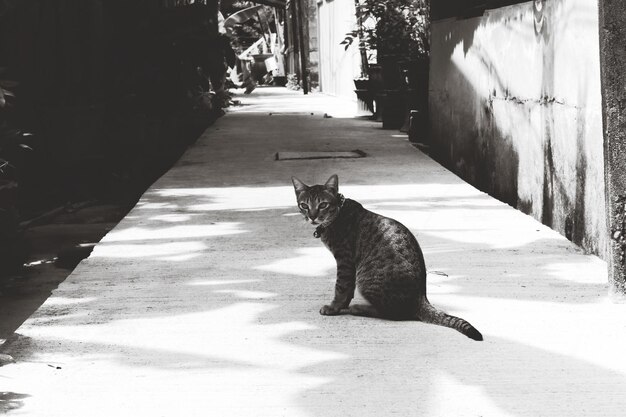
(377, 254)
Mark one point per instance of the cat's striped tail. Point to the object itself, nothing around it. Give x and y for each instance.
(429, 314)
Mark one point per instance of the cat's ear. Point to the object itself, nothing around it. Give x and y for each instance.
(298, 185)
(333, 183)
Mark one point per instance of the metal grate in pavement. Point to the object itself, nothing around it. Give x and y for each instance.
(288, 156)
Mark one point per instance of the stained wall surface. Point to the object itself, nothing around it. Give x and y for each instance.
(515, 109)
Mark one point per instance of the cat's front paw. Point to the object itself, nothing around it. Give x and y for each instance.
(329, 311)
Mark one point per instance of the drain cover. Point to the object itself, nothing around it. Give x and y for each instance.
(287, 156)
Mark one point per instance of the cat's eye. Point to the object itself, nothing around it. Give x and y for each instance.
(303, 206)
(323, 205)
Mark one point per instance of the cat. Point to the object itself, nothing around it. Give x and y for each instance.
(377, 254)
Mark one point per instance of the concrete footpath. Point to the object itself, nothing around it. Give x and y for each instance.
(204, 300)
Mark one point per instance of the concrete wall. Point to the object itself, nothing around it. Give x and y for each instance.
(515, 109)
(612, 62)
(312, 44)
(337, 66)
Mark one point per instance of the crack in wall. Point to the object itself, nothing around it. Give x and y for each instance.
(543, 101)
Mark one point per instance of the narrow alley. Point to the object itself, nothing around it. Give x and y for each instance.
(204, 300)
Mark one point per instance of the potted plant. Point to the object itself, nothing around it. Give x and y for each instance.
(401, 38)
(397, 32)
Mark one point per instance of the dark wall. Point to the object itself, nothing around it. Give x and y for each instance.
(443, 9)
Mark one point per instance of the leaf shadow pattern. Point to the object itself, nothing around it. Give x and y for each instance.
(10, 401)
(238, 319)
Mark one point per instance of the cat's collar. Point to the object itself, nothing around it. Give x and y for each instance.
(319, 229)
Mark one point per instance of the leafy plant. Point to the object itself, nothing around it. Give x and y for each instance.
(11, 139)
(293, 82)
(364, 33)
(243, 35)
(6, 95)
(400, 27)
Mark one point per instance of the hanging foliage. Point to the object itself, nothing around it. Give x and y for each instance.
(395, 27)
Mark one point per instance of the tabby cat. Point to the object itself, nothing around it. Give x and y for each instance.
(377, 254)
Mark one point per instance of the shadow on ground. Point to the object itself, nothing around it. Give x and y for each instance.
(207, 281)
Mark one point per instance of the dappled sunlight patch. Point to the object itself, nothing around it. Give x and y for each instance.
(231, 334)
(260, 198)
(438, 203)
(232, 198)
(577, 331)
(409, 192)
(494, 239)
(264, 198)
(63, 301)
(145, 250)
(221, 362)
(174, 232)
(590, 270)
(317, 105)
(171, 218)
(222, 282)
(44, 317)
(310, 262)
(145, 205)
(246, 294)
(484, 227)
(251, 209)
(181, 258)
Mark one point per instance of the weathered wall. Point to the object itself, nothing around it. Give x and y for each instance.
(313, 55)
(613, 61)
(337, 66)
(515, 109)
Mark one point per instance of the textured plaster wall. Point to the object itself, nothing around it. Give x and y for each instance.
(515, 109)
(312, 43)
(613, 61)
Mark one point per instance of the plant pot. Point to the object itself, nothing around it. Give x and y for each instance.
(417, 72)
(392, 108)
(391, 72)
(417, 76)
(366, 97)
(258, 68)
(280, 80)
(418, 128)
(362, 84)
(375, 73)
